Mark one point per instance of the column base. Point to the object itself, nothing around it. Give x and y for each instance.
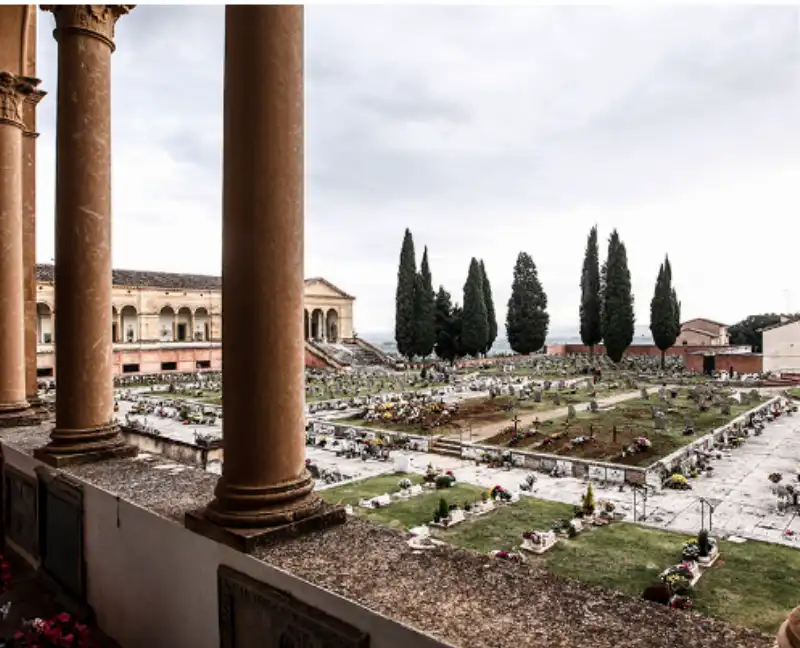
(27, 417)
(249, 539)
(72, 447)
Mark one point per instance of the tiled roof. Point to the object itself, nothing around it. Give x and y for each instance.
(167, 280)
(710, 326)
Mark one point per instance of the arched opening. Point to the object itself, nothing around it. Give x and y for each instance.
(166, 324)
(184, 325)
(44, 324)
(202, 325)
(114, 325)
(130, 324)
(332, 325)
(306, 324)
(317, 324)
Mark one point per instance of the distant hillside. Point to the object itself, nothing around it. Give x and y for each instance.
(563, 335)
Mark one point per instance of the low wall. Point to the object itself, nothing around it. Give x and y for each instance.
(742, 363)
(637, 349)
(568, 466)
(687, 454)
(175, 449)
(416, 442)
(152, 582)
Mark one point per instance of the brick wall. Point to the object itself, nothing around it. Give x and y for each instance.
(636, 349)
(741, 362)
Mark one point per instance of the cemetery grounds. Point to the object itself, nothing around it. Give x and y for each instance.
(480, 414)
(753, 584)
(591, 436)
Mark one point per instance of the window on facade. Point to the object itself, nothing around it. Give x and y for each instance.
(203, 364)
(169, 366)
(44, 372)
(130, 368)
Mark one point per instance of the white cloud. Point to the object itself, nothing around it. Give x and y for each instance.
(486, 131)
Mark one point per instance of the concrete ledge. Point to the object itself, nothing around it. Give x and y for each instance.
(248, 540)
(46, 455)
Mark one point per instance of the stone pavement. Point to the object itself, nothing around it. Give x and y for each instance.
(738, 488)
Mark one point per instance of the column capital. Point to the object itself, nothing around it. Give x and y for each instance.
(14, 90)
(97, 21)
(29, 109)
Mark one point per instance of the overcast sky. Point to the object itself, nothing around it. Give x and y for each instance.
(487, 131)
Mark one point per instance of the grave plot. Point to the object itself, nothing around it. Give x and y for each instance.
(425, 415)
(330, 384)
(407, 513)
(636, 432)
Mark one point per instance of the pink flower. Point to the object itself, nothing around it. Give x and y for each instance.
(63, 617)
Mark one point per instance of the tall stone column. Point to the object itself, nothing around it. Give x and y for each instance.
(14, 408)
(265, 486)
(85, 428)
(29, 240)
(789, 633)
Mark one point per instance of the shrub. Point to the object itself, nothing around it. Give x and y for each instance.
(404, 484)
(444, 508)
(703, 543)
(444, 481)
(588, 500)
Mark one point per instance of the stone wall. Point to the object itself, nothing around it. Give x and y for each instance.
(637, 349)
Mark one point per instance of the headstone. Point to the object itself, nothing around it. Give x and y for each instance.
(571, 412)
(556, 399)
(644, 393)
(593, 406)
(537, 396)
(658, 421)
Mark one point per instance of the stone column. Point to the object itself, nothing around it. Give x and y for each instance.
(85, 428)
(13, 92)
(29, 240)
(264, 485)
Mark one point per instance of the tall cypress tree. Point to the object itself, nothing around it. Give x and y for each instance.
(676, 305)
(527, 320)
(424, 310)
(662, 311)
(448, 327)
(474, 323)
(591, 296)
(405, 302)
(491, 315)
(618, 318)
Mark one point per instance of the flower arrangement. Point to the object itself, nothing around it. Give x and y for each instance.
(775, 477)
(691, 552)
(404, 484)
(505, 555)
(680, 602)
(679, 578)
(444, 481)
(501, 493)
(62, 631)
(521, 435)
(678, 482)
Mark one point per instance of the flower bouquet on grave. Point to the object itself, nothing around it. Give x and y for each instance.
(775, 477)
(691, 552)
(680, 602)
(505, 555)
(678, 482)
(498, 492)
(404, 484)
(62, 631)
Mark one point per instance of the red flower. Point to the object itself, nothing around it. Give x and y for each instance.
(63, 617)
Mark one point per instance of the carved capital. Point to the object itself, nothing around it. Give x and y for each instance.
(14, 90)
(97, 21)
(29, 109)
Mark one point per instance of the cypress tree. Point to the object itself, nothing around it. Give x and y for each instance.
(405, 301)
(527, 319)
(591, 296)
(662, 314)
(474, 322)
(491, 315)
(448, 327)
(676, 305)
(424, 311)
(618, 317)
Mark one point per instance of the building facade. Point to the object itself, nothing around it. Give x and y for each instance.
(703, 332)
(163, 321)
(781, 347)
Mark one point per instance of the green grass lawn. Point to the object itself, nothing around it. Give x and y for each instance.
(410, 513)
(752, 584)
(632, 418)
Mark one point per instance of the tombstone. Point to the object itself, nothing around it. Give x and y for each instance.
(662, 393)
(593, 406)
(658, 421)
(644, 393)
(571, 412)
(725, 408)
(556, 399)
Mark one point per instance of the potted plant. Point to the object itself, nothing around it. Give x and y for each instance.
(691, 552)
(443, 511)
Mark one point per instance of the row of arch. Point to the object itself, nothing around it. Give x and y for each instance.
(184, 325)
(321, 326)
